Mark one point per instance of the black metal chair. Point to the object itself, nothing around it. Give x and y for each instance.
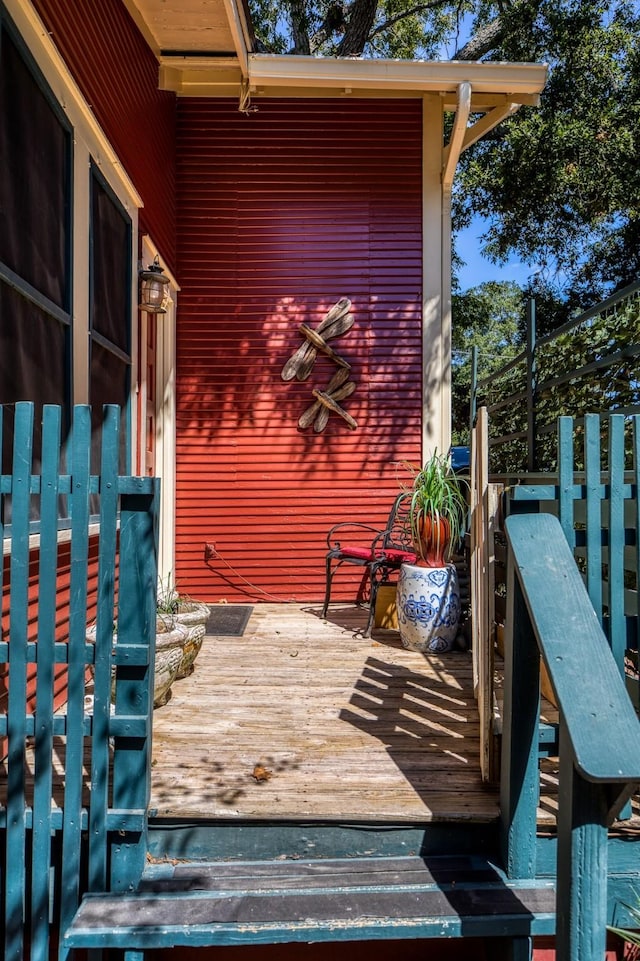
(382, 555)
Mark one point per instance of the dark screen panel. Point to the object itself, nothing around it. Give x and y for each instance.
(35, 163)
(33, 366)
(110, 267)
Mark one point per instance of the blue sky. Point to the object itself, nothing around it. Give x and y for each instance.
(478, 269)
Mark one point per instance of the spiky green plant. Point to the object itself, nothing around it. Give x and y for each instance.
(436, 492)
(629, 935)
(167, 596)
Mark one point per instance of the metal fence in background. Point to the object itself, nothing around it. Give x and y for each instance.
(590, 363)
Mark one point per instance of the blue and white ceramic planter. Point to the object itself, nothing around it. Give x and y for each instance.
(428, 603)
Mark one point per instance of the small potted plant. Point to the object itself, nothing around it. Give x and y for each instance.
(437, 511)
(428, 595)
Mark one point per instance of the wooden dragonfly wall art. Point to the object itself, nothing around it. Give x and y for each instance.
(338, 321)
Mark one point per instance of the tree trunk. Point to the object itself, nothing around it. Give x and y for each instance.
(299, 27)
(359, 26)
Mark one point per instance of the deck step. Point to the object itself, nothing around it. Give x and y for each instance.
(320, 900)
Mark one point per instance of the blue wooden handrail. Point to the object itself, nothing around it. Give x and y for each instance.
(550, 615)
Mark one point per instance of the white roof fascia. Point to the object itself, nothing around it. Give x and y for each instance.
(273, 71)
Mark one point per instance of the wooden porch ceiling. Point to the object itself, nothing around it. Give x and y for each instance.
(304, 718)
(187, 27)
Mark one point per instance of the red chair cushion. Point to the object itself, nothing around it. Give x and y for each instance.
(394, 556)
(361, 553)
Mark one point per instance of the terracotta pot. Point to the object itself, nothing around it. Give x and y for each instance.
(428, 604)
(433, 542)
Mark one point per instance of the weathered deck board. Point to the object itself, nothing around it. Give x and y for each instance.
(346, 727)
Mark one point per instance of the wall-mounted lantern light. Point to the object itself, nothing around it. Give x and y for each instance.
(153, 288)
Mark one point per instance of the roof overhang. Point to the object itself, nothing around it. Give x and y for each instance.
(204, 49)
(293, 76)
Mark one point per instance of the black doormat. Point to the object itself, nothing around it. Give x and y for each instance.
(228, 620)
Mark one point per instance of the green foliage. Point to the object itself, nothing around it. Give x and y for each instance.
(491, 319)
(388, 28)
(602, 349)
(630, 936)
(436, 492)
(271, 29)
(560, 184)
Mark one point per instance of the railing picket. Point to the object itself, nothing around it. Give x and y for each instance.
(15, 868)
(134, 690)
(566, 497)
(599, 516)
(635, 441)
(519, 780)
(615, 557)
(47, 861)
(45, 659)
(79, 499)
(593, 511)
(103, 657)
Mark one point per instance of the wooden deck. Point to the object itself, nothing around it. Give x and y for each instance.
(304, 718)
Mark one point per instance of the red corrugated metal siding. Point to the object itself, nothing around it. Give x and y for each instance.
(279, 215)
(118, 76)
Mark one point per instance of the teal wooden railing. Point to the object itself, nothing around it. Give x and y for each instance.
(75, 784)
(551, 616)
(598, 511)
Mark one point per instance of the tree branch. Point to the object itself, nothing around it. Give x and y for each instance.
(491, 34)
(486, 39)
(407, 13)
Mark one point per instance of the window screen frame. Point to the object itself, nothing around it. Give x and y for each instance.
(95, 337)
